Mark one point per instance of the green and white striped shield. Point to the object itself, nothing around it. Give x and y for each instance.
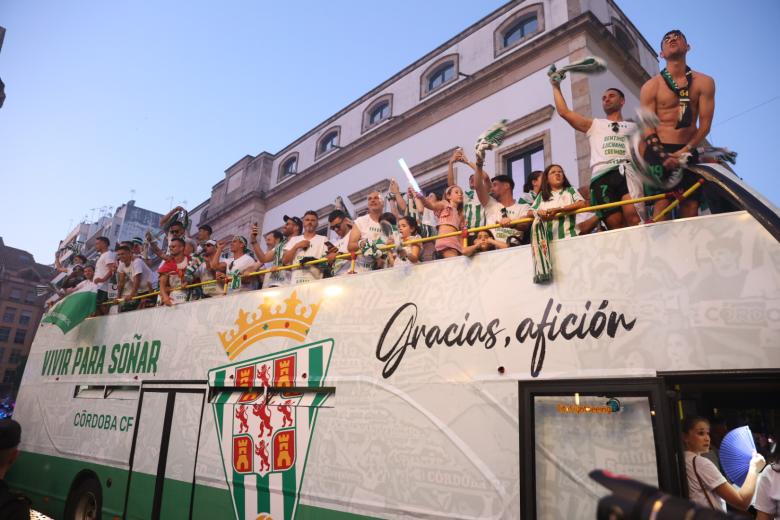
(265, 410)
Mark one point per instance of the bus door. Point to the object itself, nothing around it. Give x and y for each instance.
(162, 459)
(729, 399)
(569, 428)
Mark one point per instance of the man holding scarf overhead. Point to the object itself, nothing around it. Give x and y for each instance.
(679, 97)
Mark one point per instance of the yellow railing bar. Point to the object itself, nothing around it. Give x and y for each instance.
(676, 202)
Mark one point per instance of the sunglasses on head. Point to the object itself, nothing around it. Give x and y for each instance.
(673, 35)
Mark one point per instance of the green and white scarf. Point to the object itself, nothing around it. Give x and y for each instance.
(540, 250)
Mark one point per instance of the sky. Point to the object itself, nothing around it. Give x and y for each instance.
(108, 101)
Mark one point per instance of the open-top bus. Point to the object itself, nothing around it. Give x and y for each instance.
(451, 389)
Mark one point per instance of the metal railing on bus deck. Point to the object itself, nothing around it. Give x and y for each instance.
(677, 196)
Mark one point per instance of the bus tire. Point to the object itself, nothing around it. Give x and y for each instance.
(85, 501)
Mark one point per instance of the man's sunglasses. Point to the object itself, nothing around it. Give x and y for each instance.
(673, 36)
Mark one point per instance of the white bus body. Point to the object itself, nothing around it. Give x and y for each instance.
(452, 389)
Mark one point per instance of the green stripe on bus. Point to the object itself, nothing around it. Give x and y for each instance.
(222, 398)
(47, 479)
(219, 379)
(315, 366)
(176, 499)
(290, 491)
(263, 493)
(239, 493)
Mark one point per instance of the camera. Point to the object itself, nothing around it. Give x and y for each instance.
(634, 500)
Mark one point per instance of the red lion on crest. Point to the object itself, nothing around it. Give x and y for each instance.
(262, 450)
(263, 374)
(241, 416)
(262, 411)
(286, 412)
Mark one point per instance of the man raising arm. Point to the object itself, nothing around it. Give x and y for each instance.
(609, 154)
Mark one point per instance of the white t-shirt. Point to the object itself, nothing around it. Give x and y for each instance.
(175, 281)
(565, 226)
(317, 249)
(101, 268)
(239, 266)
(473, 211)
(85, 286)
(137, 266)
(710, 476)
(429, 218)
(608, 147)
(277, 278)
(494, 214)
(403, 262)
(369, 230)
(581, 218)
(205, 274)
(767, 499)
(342, 265)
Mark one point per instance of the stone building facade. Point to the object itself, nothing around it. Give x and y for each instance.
(21, 309)
(495, 69)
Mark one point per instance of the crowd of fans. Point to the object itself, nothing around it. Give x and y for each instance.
(175, 268)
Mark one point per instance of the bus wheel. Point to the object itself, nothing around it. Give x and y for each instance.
(85, 501)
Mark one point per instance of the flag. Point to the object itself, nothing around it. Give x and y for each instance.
(74, 308)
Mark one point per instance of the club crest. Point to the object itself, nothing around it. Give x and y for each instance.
(265, 409)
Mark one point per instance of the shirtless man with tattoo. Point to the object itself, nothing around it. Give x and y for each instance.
(679, 96)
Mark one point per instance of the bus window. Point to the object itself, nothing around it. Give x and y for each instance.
(129, 392)
(571, 428)
(122, 392)
(90, 391)
(576, 434)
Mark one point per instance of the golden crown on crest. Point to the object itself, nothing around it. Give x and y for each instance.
(273, 320)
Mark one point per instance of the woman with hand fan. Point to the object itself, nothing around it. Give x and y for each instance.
(768, 490)
(706, 485)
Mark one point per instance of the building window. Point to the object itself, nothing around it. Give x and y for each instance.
(29, 275)
(19, 336)
(441, 72)
(623, 36)
(520, 165)
(521, 30)
(5, 333)
(518, 28)
(16, 295)
(2, 354)
(9, 315)
(30, 297)
(328, 142)
(15, 357)
(440, 76)
(25, 317)
(380, 109)
(379, 114)
(9, 375)
(289, 167)
(437, 186)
